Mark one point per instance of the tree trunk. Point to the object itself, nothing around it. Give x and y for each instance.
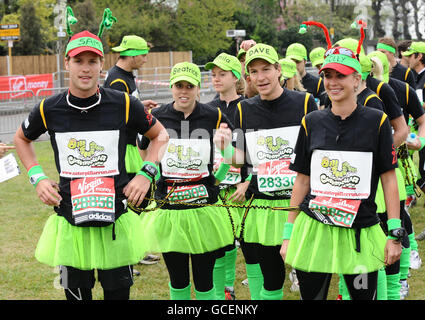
(405, 19)
(395, 6)
(416, 19)
(377, 25)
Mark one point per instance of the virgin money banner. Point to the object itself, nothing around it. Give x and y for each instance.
(19, 85)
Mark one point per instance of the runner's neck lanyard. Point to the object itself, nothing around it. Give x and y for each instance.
(84, 108)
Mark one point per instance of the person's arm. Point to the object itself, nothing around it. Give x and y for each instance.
(47, 190)
(299, 192)
(223, 141)
(392, 203)
(137, 188)
(401, 130)
(4, 148)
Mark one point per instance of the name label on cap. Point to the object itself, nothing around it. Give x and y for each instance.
(185, 69)
(89, 42)
(258, 51)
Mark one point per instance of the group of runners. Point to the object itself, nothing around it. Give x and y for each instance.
(310, 171)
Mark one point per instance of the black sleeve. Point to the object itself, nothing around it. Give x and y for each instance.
(312, 105)
(139, 117)
(414, 107)
(33, 126)
(238, 140)
(386, 158)
(225, 119)
(302, 160)
(392, 105)
(119, 85)
(411, 80)
(375, 103)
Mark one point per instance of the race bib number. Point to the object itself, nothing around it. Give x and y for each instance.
(334, 211)
(193, 193)
(233, 176)
(93, 199)
(271, 153)
(341, 174)
(186, 158)
(88, 153)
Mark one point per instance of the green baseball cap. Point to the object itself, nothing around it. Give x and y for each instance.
(317, 56)
(84, 41)
(185, 71)
(366, 65)
(349, 43)
(241, 53)
(296, 51)
(261, 51)
(132, 46)
(342, 60)
(385, 64)
(289, 68)
(415, 47)
(226, 62)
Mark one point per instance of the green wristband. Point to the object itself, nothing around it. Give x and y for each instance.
(228, 152)
(141, 173)
(393, 224)
(36, 174)
(158, 174)
(249, 177)
(287, 230)
(222, 171)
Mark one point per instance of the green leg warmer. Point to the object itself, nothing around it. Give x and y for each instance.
(271, 295)
(382, 285)
(343, 290)
(393, 286)
(230, 265)
(179, 294)
(219, 277)
(413, 242)
(404, 263)
(255, 280)
(207, 295)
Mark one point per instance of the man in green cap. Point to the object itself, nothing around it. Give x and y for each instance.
(311, 83)
(317, 57)
(416, 58)
(397, 70)
(133, 54)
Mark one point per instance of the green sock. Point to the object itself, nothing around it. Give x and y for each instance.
(219, 277)
(206, 295)
(413, 243)
(393, 286)
(404, 263)
(271, 295)
(381, 290)
(230, 265)
(255, 280)
(343, 290)
(179, 294)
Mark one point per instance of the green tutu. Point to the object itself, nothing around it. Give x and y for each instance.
(264, 226)
(195, 231)
(379, 197)
(89, 248)
(318, 247)
(133, 160)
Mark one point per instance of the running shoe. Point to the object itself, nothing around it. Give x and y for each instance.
(245, 282)
(295, 287)
(420, 236)
(404, 291)
(150, 259)
(415, 260)
(410, 201)
(229, 293)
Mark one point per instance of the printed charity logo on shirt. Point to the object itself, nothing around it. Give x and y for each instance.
(233, 176)
(93, 199)
(88, 153)
(271, 153)
(186, 158)
(194, 193)
(341, 174)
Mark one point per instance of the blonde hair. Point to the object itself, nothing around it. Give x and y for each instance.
(240, 86)
(377, 68)
(298, 85)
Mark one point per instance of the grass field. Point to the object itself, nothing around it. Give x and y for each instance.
(22, 277)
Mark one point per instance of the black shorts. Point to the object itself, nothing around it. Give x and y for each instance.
(111, 279)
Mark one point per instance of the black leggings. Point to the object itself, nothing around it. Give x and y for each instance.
(202, 269)
(270, 260)
(315, 285)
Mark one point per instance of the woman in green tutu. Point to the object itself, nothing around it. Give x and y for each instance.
(186, 226)
(341, 153)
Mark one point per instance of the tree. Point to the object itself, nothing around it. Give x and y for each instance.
(416, 20)
(30, 25)
(378, 30)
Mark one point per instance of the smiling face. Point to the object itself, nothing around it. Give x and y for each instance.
(84, 70)
(265, 78)
(184, 95)
(339, 87)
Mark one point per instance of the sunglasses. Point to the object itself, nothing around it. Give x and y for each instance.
(340, 50)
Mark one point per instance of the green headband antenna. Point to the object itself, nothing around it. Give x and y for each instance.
(70, 20)
(107, 21)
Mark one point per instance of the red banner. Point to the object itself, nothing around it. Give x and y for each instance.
(20, 85)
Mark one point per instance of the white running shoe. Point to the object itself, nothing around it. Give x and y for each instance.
(420, 236)
(295, 287)
(404, 291)
(415, 260)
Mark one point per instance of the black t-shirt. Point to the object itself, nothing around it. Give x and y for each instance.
(387, 95)
(269, 130)
(408, 99)
(402, 73)
(188, 161)
(313, 84)
(366, 131)
(368, 98)
(89, 148)
(121, 80)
